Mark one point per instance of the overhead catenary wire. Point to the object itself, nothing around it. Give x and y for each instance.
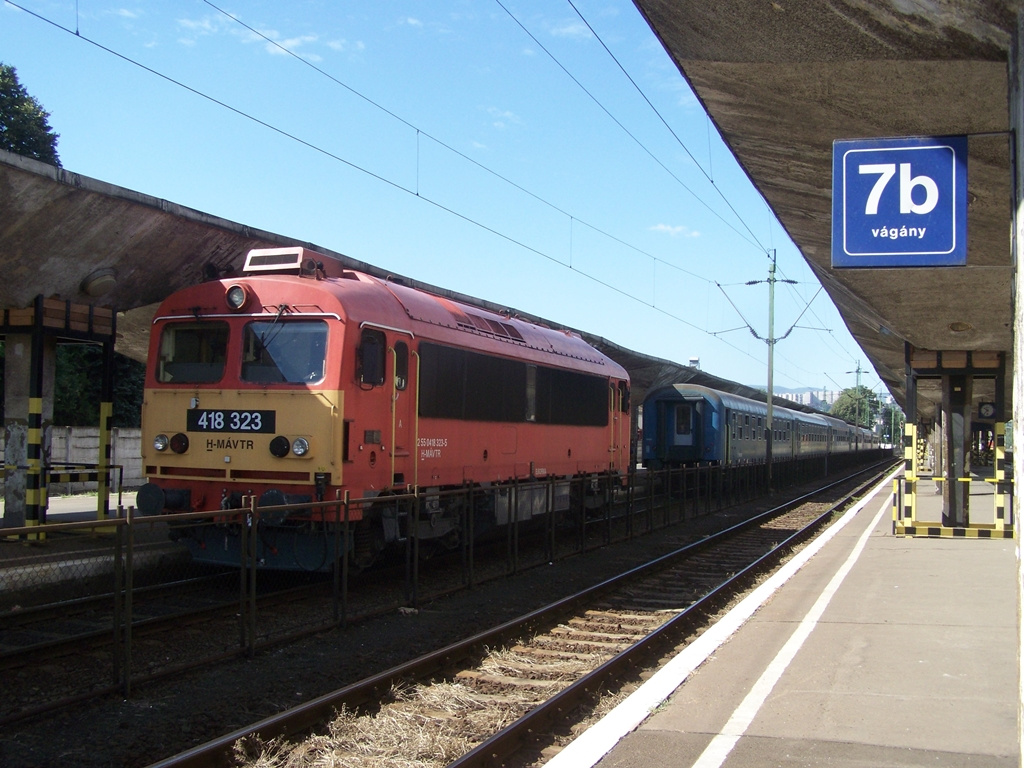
(707, 174)
(629, 133)
(415, 192)
(664, 122)
(441, 143)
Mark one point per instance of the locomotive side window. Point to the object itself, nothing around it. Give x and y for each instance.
(531, 393)
(458, 384)
(193, 353)
(371, 352)
(401, 365)
(290, 352)
(573, 399)
(624, 397)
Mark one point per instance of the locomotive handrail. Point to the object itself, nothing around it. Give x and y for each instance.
(225, 316)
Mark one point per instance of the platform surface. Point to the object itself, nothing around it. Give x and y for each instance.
(909, 659)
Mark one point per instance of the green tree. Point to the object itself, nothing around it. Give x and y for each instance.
(892, 420)
(79, 380)
(857, 405)
(24, 124)
(76, 398)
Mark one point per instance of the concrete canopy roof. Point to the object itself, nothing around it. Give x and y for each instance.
(783, 79)
(57, 228)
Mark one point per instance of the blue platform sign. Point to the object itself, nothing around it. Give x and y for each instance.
(899, 202)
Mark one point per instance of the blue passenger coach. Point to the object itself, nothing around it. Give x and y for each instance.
(687, 424)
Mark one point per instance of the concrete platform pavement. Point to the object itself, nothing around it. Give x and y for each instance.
(78, 507)
(872, 650)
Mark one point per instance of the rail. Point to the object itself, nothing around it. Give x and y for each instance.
(492, 751)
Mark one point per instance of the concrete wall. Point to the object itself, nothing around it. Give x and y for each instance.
(72, 445)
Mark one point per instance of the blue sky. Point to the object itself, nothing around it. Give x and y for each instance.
(546, 156)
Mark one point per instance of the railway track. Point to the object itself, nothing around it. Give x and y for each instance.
(496, 698)
(62, 653)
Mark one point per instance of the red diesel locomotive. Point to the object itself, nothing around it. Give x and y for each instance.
(301, 379)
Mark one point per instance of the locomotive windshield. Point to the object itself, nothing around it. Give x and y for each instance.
(193, 353)
(290, 352)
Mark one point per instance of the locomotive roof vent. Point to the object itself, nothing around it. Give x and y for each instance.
(283, 261)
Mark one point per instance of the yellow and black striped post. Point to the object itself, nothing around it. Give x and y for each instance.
(910, 474)
(106, 425)
(103, 476)
(1003, 490)
(896, 507)
(35, 478)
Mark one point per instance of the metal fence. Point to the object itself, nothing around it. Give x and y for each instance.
(132, 588)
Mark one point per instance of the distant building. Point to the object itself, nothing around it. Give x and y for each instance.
(822, 399)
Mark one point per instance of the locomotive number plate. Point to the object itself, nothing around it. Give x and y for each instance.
(206, 420)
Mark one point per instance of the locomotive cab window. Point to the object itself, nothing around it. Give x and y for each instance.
(372, 348)
(192, 353)
(288, 352)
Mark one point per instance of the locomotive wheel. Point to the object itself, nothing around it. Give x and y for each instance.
(368, 543)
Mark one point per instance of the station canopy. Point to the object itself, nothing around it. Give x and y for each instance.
(781, 81)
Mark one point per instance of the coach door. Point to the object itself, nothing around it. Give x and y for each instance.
(685, 431)
(403, 414)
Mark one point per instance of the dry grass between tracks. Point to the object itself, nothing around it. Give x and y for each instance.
(421, 726)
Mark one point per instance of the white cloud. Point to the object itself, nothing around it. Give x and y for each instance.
(412, 22)
(502, 117)
(289, 45)
(343, 46)
(575, 29)
(205, 26)
(675, 231)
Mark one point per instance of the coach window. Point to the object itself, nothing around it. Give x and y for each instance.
(401, 365)
(683, 418)
(372, 347)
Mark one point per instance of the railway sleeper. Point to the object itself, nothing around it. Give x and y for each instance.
(621, 621)
(586, 634)
(504, 680)
(558, 654)
(574, 644)
(615, 628)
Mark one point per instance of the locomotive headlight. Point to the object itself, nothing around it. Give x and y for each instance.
(300, 447)
(179, 443)
(160, 442)
(236, 297)
(279, 446)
